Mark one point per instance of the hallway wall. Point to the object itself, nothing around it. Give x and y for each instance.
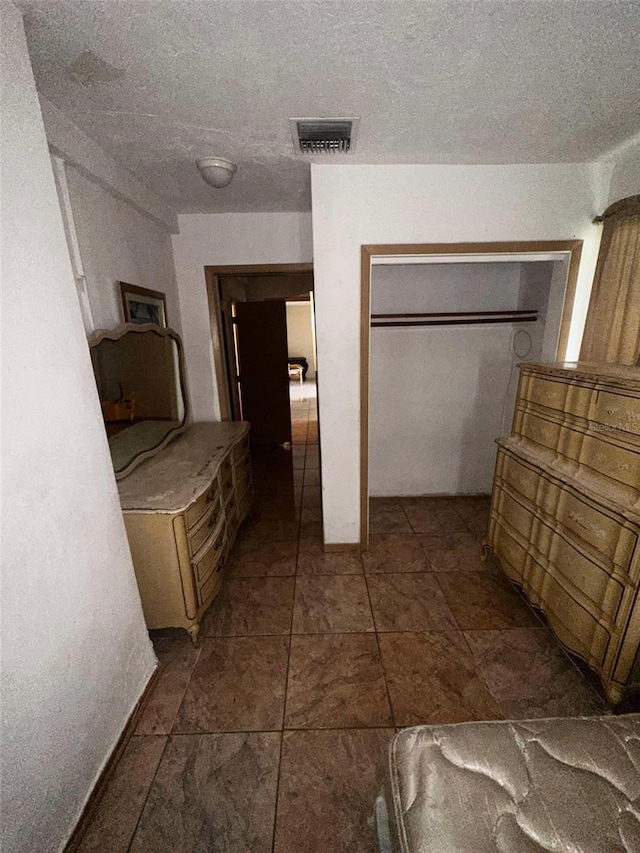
(221, 239)
(118, 243)
(123, 229)
(76, 655)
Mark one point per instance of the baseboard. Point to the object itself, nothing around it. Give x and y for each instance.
(331, 547)
(107, 771)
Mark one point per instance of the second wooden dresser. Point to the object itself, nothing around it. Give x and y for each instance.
(565, 511)
(182, 511)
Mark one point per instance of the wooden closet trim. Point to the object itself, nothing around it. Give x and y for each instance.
(367, 252)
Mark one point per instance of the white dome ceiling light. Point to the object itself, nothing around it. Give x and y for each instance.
(216, 170)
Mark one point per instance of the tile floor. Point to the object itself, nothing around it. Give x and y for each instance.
(272, 735)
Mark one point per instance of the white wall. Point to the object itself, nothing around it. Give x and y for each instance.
(438, 395)
(356, 205)
(76, 655)
(76, 148)
(415, 288)
(300, 334)
(118, 243)
(221, 239)
(625, 180)
(436, 401)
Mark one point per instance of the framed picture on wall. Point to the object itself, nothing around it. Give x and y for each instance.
(141, 305)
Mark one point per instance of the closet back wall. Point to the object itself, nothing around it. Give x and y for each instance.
(437, 392)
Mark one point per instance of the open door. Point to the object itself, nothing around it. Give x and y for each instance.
(261, 340)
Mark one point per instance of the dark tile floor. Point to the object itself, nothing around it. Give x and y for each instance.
(272, 735)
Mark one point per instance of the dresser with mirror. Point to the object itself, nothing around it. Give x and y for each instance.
(185, 488)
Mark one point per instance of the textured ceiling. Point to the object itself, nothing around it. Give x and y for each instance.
(480, 81)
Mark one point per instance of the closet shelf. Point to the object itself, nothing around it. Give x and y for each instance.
(452, 318)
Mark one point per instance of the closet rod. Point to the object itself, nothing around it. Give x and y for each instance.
(457, 314)
(457, 322)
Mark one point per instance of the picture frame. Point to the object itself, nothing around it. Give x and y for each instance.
(141, 305)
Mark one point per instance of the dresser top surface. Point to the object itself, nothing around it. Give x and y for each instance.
(183, 470)
(588, 370)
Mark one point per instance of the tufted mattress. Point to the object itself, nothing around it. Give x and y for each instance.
(563, 785)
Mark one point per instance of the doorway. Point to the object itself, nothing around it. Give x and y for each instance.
(442, 329)
(263, 335)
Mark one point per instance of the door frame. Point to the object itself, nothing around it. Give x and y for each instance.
(368, 252)
(221, 364)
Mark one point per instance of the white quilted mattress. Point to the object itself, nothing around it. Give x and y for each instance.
(562, 785)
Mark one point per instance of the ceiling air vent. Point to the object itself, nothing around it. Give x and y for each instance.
(324, 135)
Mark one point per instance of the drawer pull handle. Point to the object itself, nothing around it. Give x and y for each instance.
(212, 496)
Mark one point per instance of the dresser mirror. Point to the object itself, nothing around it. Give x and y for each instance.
(139, 372)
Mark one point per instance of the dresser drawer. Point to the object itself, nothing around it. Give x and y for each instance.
(198, 535)
(627, 662)
(231, 511)
(513, 513)
(243, 479)
(209, 558)
(605, 532)
(573, 624)
(546, 392)
(593, 524)
(617, 412)
(198, 509)
(209, 588)
(556, 543)
(226, 479)
(540, 430)
(617, 463)
(244, 504)
(513, 555)
(242, 463)
(561, 396)
(241, 450)
(522, 479)
(593, 585)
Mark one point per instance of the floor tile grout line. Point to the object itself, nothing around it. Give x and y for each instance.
(479, 673)
(144, 804)
(199, 648)
(381, 631)
(316, 728)
(277, 791)
(284, 703)
(382, 668)
(369, 573)
(442, 592)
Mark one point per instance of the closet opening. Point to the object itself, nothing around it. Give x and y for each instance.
(443, 329)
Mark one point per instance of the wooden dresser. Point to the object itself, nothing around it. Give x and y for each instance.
(182, 510)
(565, 511)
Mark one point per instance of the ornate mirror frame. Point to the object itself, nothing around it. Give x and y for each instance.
(135, 328)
